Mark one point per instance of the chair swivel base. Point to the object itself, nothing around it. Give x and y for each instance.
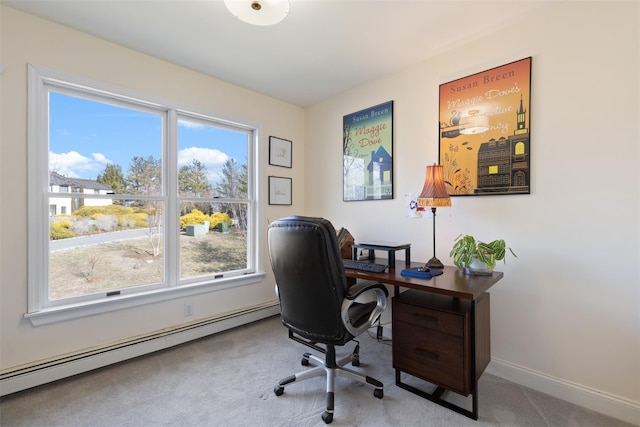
(331, 369)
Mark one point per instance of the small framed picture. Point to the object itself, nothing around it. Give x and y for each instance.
(279, 152)
(279, 190)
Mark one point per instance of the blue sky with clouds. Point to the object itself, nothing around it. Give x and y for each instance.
(85, 136)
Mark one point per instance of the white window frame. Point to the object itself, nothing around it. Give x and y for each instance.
(40, 309)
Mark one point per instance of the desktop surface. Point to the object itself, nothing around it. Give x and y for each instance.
(452, 282)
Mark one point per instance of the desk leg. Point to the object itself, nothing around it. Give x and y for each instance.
(474, 361)
(436, 395)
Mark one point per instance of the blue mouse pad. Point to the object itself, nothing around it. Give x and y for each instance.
(414, 272)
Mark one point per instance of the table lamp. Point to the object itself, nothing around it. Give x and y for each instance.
(434, 194)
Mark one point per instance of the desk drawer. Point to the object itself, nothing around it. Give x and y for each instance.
(432, 355)
(447, 323)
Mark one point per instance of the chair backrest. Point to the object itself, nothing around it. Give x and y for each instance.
(310, 277)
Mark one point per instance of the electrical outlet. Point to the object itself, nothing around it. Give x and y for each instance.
(188, 310)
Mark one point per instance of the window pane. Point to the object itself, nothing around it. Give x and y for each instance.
(104, 248)
(104, 181)
(212, 189)
(212, 244)
(212, 160)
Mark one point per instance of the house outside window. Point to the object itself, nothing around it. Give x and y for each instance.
(145, 201)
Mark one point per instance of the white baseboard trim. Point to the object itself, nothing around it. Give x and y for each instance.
(26, 377)
(610, 405)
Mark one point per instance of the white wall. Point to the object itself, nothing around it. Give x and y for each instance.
(568, 308)
(26, 39)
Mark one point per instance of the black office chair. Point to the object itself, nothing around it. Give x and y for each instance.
(316, 303)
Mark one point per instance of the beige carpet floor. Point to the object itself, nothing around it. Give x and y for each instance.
(227, 380)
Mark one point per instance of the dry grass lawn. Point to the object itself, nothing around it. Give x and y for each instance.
(114, 265)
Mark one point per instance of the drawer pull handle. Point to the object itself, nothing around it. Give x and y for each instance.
(426, 353)
(425, 317)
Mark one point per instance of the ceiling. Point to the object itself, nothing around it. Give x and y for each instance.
(323, 47)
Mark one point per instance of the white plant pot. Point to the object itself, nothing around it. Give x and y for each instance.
(478, 268)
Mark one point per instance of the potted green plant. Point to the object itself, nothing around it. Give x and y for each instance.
(476, 257)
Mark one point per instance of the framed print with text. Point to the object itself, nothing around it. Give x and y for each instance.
(279, 190)
(367, 153)
(279, 152)
(485, 131)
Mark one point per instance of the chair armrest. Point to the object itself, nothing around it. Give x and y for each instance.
(361, 287)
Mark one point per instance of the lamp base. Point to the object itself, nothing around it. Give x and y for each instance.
(434, 263)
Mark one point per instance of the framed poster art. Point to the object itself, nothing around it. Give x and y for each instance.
(279, 190)
(279, 152)
(484, 131)
(367, 153)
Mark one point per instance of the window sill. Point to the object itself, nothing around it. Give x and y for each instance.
(63, 313)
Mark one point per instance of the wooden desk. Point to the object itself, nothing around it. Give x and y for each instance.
(441, 330)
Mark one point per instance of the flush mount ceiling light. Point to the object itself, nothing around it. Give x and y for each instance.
(258, 12)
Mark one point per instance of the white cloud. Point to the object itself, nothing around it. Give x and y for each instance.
(75, 165)
(207, 156)
(100, 158)
(212, 159)
(191, 125)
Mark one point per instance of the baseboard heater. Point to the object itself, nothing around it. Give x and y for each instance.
(28, 376)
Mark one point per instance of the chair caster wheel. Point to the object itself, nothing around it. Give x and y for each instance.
(305, 359)
(379, 393)
(355, 361)
(327, 417)
(278, 390)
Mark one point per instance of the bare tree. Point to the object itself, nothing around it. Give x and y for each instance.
(143, 178)
(154, 221)
(234, 185)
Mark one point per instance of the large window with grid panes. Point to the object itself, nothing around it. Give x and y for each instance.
(132, 198)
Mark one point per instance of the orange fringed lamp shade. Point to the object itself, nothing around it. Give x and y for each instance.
(434, 193)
